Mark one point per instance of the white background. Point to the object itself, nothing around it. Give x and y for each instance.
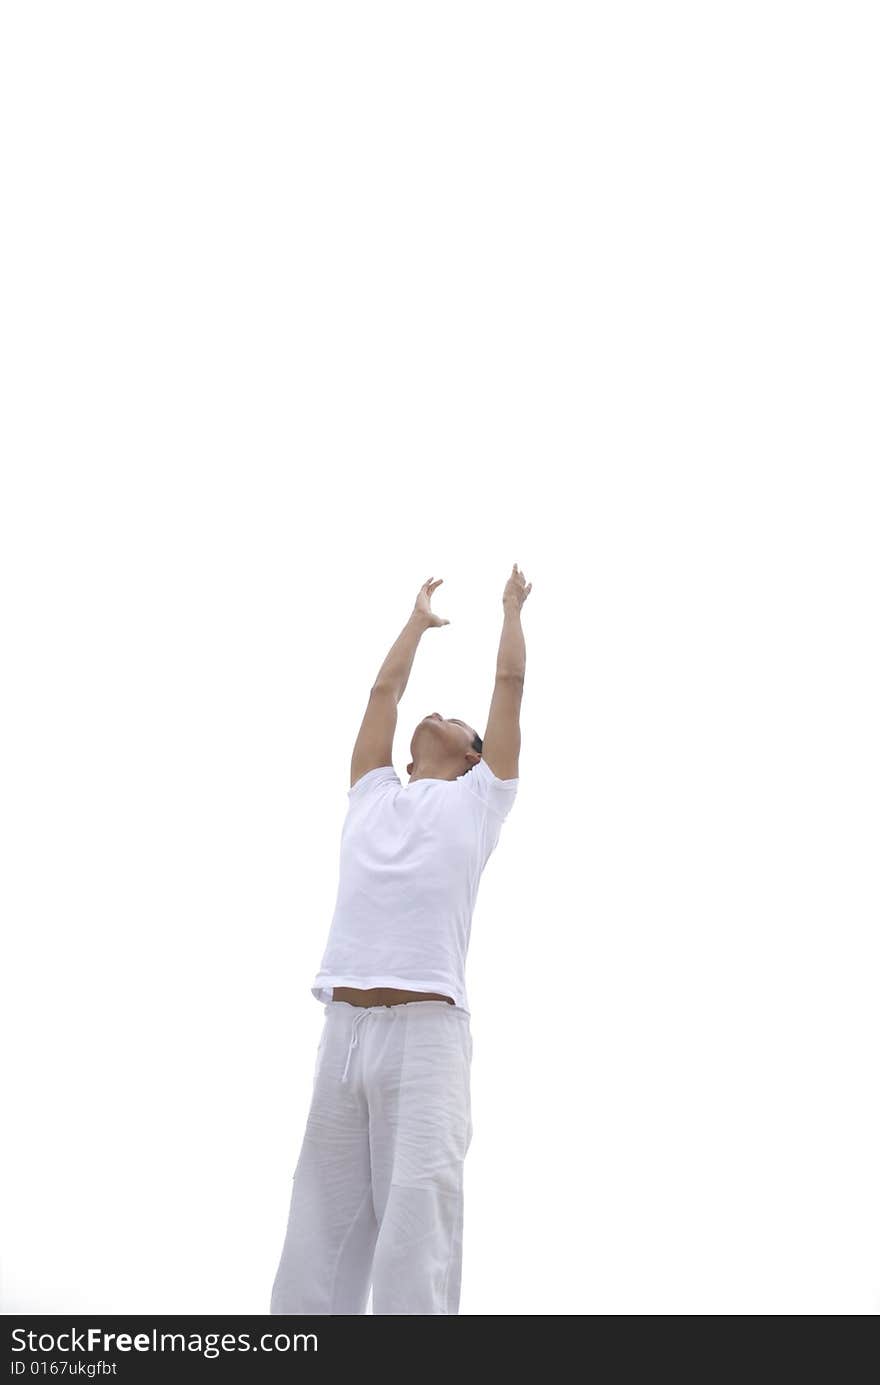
(303, 304)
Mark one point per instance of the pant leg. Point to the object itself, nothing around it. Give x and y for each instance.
(331, 1228)
(420, 1131)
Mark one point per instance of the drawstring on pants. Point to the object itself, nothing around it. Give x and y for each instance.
(362, 1015)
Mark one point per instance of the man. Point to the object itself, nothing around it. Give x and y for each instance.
(377, 1194)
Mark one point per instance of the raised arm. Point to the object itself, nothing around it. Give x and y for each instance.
(501, 743)
(375, 740)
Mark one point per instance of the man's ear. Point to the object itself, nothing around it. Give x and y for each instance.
(473, 757)
(409, 768)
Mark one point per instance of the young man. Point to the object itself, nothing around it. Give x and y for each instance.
(377, 1192)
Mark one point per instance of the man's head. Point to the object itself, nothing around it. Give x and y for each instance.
(443, 748)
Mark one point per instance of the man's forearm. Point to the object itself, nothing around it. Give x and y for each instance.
(395, 671)
(512, 649)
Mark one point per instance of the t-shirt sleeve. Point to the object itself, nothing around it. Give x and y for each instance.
(372, 779)
(497, 794)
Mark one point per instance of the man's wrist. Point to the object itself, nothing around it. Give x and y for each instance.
(419, 621)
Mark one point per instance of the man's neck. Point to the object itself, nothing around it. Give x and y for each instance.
(426, 772)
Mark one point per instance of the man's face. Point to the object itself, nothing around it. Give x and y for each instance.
(455, 735)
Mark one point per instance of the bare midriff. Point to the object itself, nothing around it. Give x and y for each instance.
(384, 995)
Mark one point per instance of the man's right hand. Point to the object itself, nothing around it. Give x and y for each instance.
(423, 603)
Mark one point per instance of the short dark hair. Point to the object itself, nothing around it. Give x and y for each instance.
(477, 744)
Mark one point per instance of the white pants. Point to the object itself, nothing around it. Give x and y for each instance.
(378, 1193)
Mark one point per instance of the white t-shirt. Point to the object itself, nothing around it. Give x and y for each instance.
(409, 869)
